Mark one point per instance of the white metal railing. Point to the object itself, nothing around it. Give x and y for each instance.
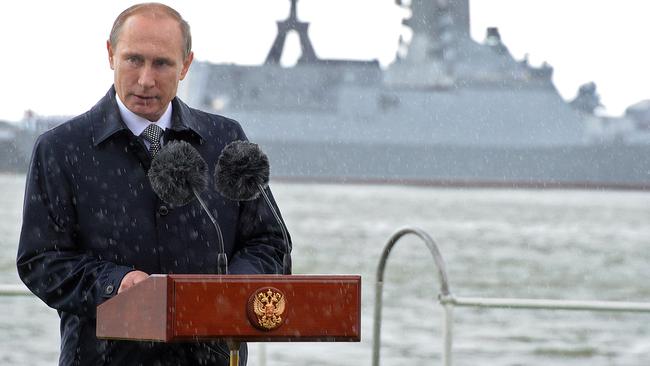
(616, 306)
(14, 290)
(449, 301)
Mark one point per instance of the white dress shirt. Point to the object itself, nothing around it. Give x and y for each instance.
(137, 124)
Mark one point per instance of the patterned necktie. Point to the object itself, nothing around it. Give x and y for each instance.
(152, 134)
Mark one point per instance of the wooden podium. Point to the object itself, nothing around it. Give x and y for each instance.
(235, 308)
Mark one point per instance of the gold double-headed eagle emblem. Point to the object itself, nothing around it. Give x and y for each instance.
(267, 305)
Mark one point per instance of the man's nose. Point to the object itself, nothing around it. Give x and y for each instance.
(147, 78)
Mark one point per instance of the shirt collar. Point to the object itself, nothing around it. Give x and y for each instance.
(138, 124)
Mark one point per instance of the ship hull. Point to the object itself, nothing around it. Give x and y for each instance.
(613, 166)
(591, 167)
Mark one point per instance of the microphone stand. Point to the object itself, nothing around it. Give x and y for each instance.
(286, 259)
(222, 258)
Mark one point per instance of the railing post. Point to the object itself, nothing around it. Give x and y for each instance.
(379, 286)
(448, 331)
(376, 332)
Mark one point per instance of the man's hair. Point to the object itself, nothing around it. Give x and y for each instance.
(153, 9)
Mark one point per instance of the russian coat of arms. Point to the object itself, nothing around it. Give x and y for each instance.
(268, 305)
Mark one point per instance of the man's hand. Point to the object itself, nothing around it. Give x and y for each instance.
(131, 279)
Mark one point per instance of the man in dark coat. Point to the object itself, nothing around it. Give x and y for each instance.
(92, 225)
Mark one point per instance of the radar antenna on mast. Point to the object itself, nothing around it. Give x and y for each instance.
(284, 27)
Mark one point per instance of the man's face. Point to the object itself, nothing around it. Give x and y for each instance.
(148, 64)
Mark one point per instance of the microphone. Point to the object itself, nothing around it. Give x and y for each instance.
(178, 174)
(242, 174)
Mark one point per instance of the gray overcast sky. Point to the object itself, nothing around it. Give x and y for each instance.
(54, 58)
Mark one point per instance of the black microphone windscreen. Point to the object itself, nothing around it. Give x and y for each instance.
(241, 170)
(176, 171)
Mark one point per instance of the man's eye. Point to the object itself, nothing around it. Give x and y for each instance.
(161, 63)
(133, 59)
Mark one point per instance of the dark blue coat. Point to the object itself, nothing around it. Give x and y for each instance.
(90, 216)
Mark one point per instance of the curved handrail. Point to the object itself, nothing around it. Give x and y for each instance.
(442, 278)
(433, 248)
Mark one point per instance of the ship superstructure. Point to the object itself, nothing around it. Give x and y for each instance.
(446, 89)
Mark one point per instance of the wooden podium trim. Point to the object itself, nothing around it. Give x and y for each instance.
(172, 308)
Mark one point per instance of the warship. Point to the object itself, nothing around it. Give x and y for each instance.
(447, 111)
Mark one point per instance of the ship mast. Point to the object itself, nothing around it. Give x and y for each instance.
(284, 27)
(429, 59)
(438, 26)
(426, 15)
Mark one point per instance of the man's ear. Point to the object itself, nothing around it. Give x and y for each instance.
(186, 65)
(111, 54)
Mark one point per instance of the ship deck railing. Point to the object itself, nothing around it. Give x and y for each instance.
(446, 299)
(14, 290)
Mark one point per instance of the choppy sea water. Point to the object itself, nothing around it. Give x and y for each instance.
(496, 243)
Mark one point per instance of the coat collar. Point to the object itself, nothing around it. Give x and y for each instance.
(185, 119)
(107, 121)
